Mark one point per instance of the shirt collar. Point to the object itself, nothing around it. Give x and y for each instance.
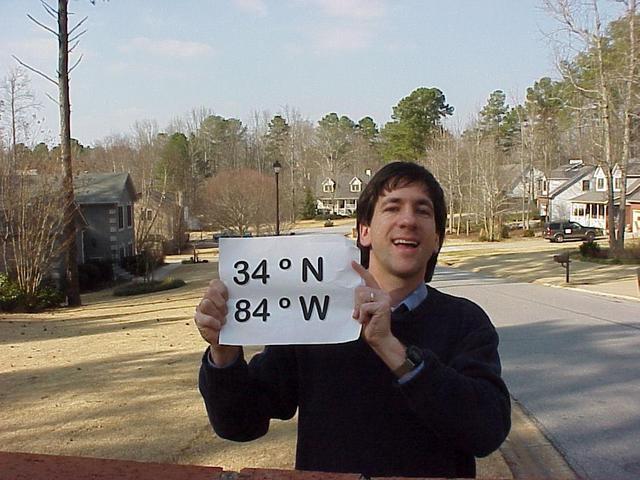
(415, 298)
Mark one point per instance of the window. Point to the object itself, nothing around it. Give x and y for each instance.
(327, 187)
(129, 216)
(147, 214)
(617, 183)
(356, 187)
(600, 184)
(585, 185)
(120, 218)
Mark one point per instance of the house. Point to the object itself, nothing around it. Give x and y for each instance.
(162, 220)
(103, 217)
(520, 183)
(561, 186)
(590, 207)
(106, 202)
(339, 194)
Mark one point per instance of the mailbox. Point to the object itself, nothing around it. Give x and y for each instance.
(563, 259)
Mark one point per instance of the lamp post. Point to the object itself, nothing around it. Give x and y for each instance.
(276, 169)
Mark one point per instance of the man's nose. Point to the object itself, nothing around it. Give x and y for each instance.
(407, 217)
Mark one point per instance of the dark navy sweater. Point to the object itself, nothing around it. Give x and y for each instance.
(355, 417)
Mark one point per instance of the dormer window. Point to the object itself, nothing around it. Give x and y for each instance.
(617, 183)
(600, 184)
(355, 185)
(585, 185)
(328, 186)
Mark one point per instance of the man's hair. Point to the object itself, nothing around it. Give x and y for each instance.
(397, 175)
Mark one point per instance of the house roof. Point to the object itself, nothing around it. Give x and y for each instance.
(571, 174)
(633, 193)
(591, 197)
(342, 186)
(102, 187)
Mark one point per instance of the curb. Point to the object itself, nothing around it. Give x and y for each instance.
(595, 292)
(528, 453)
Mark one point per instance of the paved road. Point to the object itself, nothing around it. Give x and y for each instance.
(571, 358)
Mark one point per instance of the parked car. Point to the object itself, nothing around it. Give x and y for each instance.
(564, 230)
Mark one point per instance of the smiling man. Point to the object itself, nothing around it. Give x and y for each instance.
(419, 394)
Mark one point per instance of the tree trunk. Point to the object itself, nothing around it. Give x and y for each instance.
(69, 234)
(626, 137)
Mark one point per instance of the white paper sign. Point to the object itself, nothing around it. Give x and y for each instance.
(289, 290)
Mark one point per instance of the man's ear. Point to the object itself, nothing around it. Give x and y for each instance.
(364, 237)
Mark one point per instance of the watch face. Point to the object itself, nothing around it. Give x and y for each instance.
(414, 354)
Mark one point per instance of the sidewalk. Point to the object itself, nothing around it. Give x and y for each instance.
(531, 261)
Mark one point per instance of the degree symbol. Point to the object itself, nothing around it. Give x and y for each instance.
(285, 264)
(284, 302)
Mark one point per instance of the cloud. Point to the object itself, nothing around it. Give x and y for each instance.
(352, 9)
(255, 7)
(168, 47)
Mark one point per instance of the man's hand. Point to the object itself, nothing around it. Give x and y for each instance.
(210, 316)
(372, 308)
(373, 311)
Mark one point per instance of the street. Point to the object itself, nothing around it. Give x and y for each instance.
(571, 359)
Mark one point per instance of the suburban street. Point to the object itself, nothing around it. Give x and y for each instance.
(570, 358)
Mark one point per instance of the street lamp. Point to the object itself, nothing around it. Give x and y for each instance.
(276, 169)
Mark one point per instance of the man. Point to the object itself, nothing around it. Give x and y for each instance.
(419, 394)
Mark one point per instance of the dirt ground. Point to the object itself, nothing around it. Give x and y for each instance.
(117, 378)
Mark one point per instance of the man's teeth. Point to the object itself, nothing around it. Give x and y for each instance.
(405, 242)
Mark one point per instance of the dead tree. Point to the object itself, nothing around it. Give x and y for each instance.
(67, 41)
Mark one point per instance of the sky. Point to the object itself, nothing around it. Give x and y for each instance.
(159, 59)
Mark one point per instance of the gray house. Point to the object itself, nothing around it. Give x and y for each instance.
(106, 203)
(339, 194)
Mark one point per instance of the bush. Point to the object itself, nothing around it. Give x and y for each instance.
(13, 298)
(590, 249)
(504, 231)
(10, 294)
(528, 233)
(142, 263)
(148, 287)
(328, 223)
(95, 274)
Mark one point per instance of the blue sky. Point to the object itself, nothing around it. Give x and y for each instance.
(158, 59)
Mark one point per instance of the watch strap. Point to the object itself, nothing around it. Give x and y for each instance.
(413, 358)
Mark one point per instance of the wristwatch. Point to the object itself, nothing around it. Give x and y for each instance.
(414, 357)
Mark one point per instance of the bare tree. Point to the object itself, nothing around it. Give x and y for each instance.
(18, 109)
(32, 215)
(239, 200)
(68, 40)
(582, 21)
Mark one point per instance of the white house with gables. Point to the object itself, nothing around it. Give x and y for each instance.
(339, 194)
(562, 186)
(590, 207)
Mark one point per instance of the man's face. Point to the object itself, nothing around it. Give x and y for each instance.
(402, 235)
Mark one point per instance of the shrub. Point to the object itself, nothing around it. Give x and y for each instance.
(142, 263)
(528, 233)
(13, 298)
(504, 231)
(590, 249)
(10, 294)
(328, 223)
(148, 287)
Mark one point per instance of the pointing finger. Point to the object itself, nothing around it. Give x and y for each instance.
(369, 280)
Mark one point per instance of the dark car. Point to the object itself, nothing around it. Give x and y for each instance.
(564, 230)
